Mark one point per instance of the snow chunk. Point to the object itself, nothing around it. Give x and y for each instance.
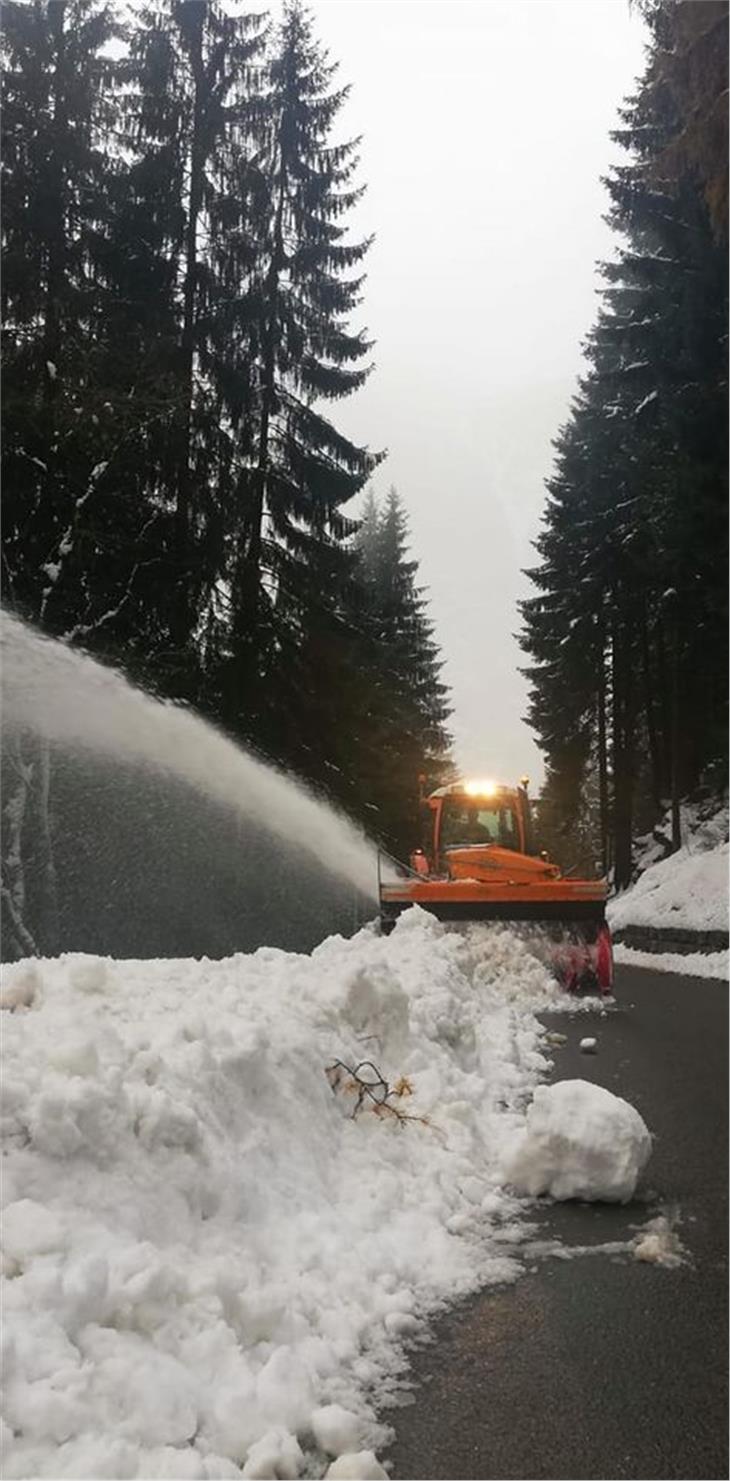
(28, 1229)
(74, 1056)
(363, 1466)
(336, 1429)
(277, 1454)
(20, 984)
(580, 1141)
(659, 1244)
(588, 1046)
(88, 974)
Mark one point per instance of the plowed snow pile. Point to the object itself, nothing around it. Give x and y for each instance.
(209, 1263)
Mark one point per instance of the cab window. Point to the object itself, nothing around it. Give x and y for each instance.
(464, 824)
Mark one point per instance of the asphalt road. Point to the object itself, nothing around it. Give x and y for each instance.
(602, 1366)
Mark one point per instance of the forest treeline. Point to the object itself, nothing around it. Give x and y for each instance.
(627, 634)
(180, 300)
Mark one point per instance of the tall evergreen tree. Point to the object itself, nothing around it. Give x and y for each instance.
(302, 293)
(178, 300)
(407, 705)
(60, 107)
(192, 115)
(631, 622)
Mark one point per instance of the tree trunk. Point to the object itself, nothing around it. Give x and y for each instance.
(254, 522)
(674, 726)
(55, 269)
(183, 616)
(602, 765)
(665, 711)
(649, 708)
(622, 752)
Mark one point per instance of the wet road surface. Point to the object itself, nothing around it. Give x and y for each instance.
(601, 1366)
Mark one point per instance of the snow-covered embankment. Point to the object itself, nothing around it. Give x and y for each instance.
(682, 899)
(210, 1264)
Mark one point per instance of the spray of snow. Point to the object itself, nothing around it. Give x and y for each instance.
(63, 694)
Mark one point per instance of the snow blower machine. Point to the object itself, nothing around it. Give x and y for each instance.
(478, 863)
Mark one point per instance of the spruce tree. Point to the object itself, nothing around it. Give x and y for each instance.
(60, 106)
(303, 355)
(406, 702)
(628, 636)
(192, 124)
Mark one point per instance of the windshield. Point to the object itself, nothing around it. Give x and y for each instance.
(465, 823)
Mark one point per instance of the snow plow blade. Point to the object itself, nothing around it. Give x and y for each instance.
(570, 936)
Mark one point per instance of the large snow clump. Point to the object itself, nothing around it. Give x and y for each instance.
(579, 1141)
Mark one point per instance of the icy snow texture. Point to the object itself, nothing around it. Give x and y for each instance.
(580, 1141)
(208, 1259)
(689, 964)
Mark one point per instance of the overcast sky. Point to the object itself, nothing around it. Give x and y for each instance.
(485, 130)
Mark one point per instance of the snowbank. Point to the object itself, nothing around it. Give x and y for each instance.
(687, 891)
(209, 1263)
(579, 1141)
(686, 964)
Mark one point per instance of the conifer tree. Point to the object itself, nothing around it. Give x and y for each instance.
(631, 621)
(303, 354)
(60, 105)
(192, 122)
(407, 701)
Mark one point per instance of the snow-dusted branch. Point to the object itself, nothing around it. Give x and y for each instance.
(54, 568)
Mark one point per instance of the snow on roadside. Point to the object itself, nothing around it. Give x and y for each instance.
(685, 964)
(209, 1264)
(687, 891)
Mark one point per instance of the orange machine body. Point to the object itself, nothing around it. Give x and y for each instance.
(478, 863)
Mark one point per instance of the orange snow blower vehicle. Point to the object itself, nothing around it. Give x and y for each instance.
(478, 863)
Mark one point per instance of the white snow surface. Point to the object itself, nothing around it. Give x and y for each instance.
(687, 891)
(209, 1264)
(685, 964)
(360, 1466)
(580, 1141)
